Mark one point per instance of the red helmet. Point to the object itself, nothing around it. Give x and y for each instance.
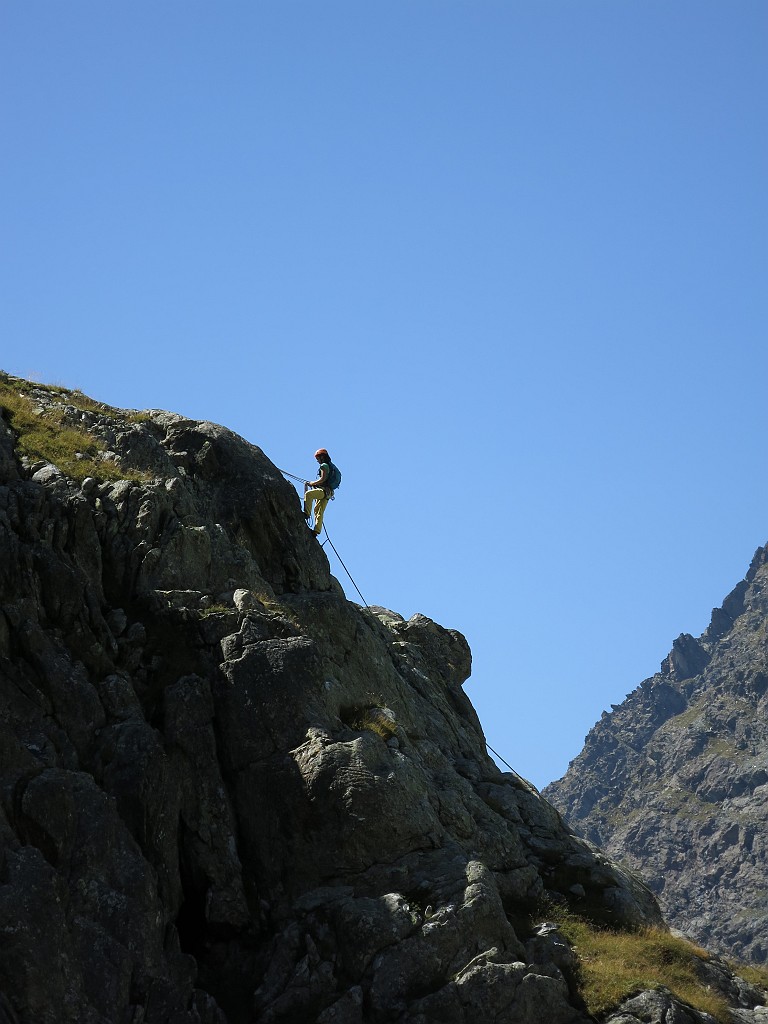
(321, 453)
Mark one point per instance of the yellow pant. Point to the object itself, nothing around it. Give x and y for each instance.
(320, 498)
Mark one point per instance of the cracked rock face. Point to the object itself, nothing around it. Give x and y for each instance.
(674, 781)
(230, 795)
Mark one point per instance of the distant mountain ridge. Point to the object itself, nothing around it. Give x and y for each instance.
(674, 781)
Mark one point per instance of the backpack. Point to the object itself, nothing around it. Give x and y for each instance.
(334, 477)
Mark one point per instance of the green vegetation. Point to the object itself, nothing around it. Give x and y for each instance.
(217, 609)
(693, 713)
(757, 976)
(46, 435)
(615, 965)
(83, 402)
(687, 804)
(723, 748)
(74, 398)
(281, 610)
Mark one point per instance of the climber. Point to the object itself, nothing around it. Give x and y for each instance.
(320, 491)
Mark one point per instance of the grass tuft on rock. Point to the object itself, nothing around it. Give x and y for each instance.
(43, 433)
(616, 965)
(757, 976)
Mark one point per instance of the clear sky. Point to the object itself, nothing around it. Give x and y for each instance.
(505, 260)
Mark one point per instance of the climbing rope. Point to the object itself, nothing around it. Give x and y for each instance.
(346, 570)
(292, 476)
(496, 754)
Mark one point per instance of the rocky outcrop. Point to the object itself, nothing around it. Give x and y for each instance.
(228, 794)
(674, 781)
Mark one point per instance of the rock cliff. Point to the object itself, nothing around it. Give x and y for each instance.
(674, 781)
(228, 794)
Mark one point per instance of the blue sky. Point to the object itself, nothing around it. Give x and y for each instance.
(506, 260)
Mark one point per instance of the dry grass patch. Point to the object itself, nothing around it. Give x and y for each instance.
(615, 965)
(44, 435)
(217, 609)
(757, 976)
